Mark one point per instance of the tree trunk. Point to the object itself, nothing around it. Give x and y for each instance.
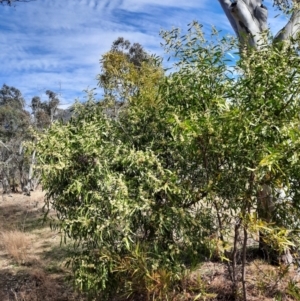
(249, 20)
(265, 210)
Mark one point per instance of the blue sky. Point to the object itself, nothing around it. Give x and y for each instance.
(56, 45)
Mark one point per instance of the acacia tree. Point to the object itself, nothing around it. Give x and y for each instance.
(242, 135)
(249, 19)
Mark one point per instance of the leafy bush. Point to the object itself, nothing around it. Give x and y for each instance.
(121, 204)
(194, 171)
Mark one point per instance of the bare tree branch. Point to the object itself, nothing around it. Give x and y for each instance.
(3, 144)
(291, 29)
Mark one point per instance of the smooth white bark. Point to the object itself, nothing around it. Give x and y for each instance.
(291, 29)
(248, 26)
(249, 20)
(226, 8)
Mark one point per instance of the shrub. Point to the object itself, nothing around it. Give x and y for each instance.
(158, 187)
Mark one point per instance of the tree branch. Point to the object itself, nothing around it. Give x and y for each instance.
(3, 144)
(291, 29)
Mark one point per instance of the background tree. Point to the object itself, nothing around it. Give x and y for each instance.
(129, 73)
(15, 122)
(11, 96)
(44, 111)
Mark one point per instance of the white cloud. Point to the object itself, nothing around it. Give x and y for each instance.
(133, 5)
(57, 45)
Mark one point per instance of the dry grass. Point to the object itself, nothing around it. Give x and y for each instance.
(17, 245)
(31, 258)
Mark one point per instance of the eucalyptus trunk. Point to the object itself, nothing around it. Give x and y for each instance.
(249, 20)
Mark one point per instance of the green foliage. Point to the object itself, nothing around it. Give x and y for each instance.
(293, 290)
(116, 200)
(11, 96)
(147, 193)
(14, 123)
(44, 111)
(14, 120)
(14, 128)
(129, 73)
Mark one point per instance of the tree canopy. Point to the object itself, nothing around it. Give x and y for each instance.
(14, 119)
(129, 72)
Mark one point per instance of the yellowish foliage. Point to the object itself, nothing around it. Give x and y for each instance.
(124, 81)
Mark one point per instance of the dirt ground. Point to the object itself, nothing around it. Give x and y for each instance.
(31, 258)
(32, 262)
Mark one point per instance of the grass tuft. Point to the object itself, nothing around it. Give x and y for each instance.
(17, 245)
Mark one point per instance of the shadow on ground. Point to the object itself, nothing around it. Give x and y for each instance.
(35, 285)
(26, 218)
